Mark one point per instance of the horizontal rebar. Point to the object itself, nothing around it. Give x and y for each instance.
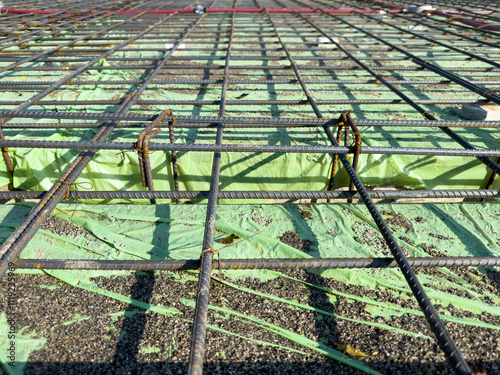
(200, 125)
(376, 194)
(243, 264)
(300, 149)
(264, 68)
(8, 84)
(235, 120)
(250, 102)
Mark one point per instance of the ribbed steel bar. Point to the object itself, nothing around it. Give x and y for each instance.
(251, 264)
(197, 347)
(332, 68)
(234, 120)
(29, 84)
(7, 58)
(243, 125)
(190, 58)
(173, 155)
(444, 340)
(269, 67)
(357, 146)
(150, 43)
(143, 152)
(130, 146)
(255, 102)
(335, 161)
(376, 194)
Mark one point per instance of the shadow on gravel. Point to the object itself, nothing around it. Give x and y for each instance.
(135, 318)
(134, 323)
(247, 368)
(494, 277)
(326, 326)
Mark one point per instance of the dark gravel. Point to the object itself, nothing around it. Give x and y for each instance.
(62, 227)
(293, 239)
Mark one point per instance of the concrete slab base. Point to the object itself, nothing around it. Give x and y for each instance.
(480, 112)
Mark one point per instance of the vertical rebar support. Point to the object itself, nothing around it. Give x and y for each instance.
(357, 148)
(146, 161)
(173, 155)
(143, 152)
(335, 159)
(5, 152)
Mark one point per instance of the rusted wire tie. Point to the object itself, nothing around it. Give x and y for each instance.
(427, 113)
(143, 149)
(5, 150)
(76, 185)
(485, 25)
(214, 251)
(455, 18)
(357, 143)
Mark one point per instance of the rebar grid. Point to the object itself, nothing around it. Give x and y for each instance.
(224, 48)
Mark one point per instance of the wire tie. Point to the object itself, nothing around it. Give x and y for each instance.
(214, 251)
(76, 185)
(454, 18)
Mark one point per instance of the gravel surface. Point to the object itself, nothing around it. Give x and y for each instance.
(99, 345)
(62, 227)
(101, 335)
(294, 240)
